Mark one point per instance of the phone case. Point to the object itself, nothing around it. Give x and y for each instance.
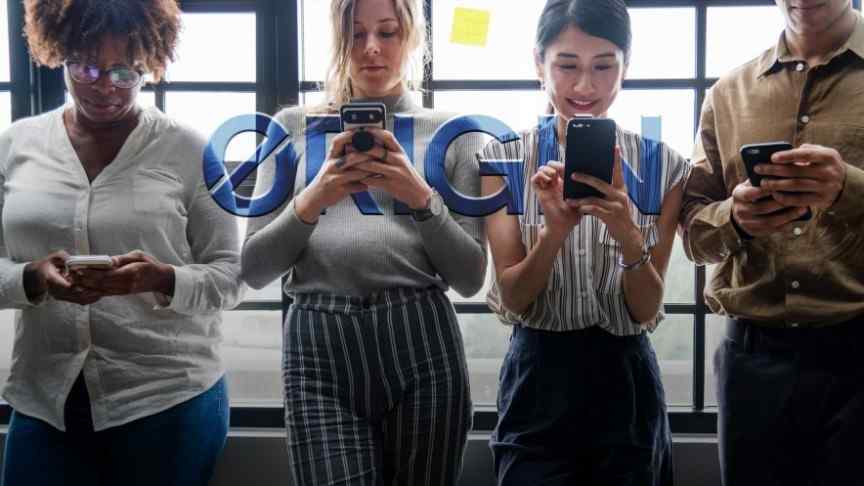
(760, 153)
(89, 261)
(357, 115)
(590, 150)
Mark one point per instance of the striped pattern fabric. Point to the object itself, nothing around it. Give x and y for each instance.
(376, 389)
(585, 287)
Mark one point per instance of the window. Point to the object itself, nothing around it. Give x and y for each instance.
(726, 50)
(5, 97)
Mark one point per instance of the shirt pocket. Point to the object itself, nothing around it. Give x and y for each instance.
(157, 192)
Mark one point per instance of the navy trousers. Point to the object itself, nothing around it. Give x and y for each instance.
(581, 408)
(376, 389)
(791, 405)
(177, 447)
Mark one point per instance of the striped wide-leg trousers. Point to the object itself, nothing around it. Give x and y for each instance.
(376, 389)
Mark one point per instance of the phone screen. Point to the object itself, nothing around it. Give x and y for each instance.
(590, 150)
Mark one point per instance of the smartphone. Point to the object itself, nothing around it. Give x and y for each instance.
(363, 115)
(760, 153)
(590, 150)
(102, 262)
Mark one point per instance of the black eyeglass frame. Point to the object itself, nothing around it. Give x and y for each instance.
(101, 72)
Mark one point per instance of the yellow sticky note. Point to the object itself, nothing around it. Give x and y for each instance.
(470, 26)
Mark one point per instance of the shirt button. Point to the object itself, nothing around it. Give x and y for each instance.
(799, 67)
(805, 119)
(583, 295)
(581, 252)
(798, 231)
(794, 324)
(795, 284)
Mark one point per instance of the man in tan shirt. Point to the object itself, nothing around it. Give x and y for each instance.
(789, 376)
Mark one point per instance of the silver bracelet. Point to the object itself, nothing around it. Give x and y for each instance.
(643, 260)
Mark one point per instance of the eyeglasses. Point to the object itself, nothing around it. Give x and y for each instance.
(121, 77)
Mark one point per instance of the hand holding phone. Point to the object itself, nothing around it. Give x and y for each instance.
(760, 153)
(591, 151)
(362, 115)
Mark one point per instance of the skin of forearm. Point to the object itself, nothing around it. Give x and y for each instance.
(520, 284)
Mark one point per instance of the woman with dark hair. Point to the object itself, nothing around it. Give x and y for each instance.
(580, 398)
(376, 383)
(116, 376)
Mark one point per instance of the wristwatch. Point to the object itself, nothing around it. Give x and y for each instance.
(433, 208)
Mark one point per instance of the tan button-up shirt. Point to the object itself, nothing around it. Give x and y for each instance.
(811, 272)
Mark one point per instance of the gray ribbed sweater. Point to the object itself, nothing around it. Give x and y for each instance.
(348, 253)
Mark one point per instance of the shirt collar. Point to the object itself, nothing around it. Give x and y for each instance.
(775, 57)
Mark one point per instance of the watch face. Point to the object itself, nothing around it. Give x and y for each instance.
(436, 204)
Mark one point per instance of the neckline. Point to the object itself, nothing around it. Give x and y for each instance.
(115, 165)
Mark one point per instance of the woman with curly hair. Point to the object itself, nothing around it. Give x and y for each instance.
(116, 376)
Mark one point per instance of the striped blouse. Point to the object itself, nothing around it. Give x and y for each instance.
(585, 287)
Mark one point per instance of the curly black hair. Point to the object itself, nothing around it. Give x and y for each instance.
(56, 29)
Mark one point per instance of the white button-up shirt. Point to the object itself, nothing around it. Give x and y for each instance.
(138, 358)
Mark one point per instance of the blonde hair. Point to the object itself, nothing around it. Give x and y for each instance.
(412, 24)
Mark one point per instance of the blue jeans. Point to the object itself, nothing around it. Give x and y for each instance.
(178, 446)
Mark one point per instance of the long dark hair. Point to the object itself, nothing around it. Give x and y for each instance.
(607, 19)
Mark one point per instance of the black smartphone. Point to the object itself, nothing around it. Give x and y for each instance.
(363, 115)
(760, 153)
(590, 150)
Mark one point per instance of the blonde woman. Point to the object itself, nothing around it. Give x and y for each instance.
(376, 386)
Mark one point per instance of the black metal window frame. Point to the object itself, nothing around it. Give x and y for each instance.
(278, 83)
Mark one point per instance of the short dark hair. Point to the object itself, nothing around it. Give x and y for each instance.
(607, 19)
(55, 29)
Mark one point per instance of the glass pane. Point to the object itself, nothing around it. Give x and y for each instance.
(5, 110)
(4, 43)
(7, 337)
(518, 109)
(508, 51)
(486, 341)
(206, 111)
(673, 344)
(216, 47)
(673, 106)
(252, 348)
(664, 43)
(680, 279)
(315, 40)
(715, 331)
(727, 48)
(146, 99)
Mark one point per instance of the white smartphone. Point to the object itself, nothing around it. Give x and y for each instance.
(102, 262)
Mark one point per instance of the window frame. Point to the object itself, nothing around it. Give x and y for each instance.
(278, 83)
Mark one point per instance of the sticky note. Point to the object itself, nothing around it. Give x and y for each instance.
(470, 26)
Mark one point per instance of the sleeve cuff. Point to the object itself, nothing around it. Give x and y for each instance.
(435, 222)
(849, 202)
(12, 288)
(732, 240)
(184, 283)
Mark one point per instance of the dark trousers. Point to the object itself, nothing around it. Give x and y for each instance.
(791, 405)
(376, 389)
(581, 408)
(177, 447)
